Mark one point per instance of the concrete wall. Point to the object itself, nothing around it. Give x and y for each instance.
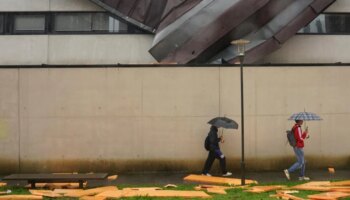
(70, 49)
(126, 119)
(312, 49)
(47, 5)
(75, 49)
(339, 6)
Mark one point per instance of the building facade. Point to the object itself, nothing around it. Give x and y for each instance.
(79, 91)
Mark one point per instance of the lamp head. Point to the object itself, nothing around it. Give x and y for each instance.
(240, 44)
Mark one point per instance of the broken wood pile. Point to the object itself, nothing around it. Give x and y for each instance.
(102, 193)
(329, 191)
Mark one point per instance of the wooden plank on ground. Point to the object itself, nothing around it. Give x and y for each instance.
(341, 183)
(64, 191)
(322, 186)
(45, 193)
(167, 193)
(312, 188)
(92, 198)
(111, 194)
(329, 195)
(170, 186)
(154, 193)
(216, 190)
(90, 192)
(317, 183)
(112, 178)
(143, 188)
(216, 180)
(287, 196)
(340, 189)
(215, 186)
(260, 189)
(20, 197)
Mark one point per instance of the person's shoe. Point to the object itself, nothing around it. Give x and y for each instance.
(227, 174)
(287, 174)
(304, 178)
(207, 174)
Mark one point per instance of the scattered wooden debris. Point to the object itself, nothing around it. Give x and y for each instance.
(170, 186)
(317, 183)
(286, 196)
(287, 191)
(216, 190)
(142, 189)
(260, 189)
(153, 193)
(216, 180)
(65, 191)
(341, 183)
(167, 193)
(340, 189)
(89, 192)
(112, 178)
(92, 198)
(20, 197)
(110, 194)
(45, 193)
(322, 186)
(329, 195)
(214, 186)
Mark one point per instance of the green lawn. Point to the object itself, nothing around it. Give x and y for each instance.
(231, 194)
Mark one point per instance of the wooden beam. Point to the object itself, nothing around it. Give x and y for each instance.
(329, 195)
(20, 197)
(217, 180)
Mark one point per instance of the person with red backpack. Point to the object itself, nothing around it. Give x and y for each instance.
(299, 136)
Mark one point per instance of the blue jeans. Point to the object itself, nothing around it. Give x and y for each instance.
(300, 164)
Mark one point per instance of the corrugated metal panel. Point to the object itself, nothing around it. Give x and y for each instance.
(201, 30)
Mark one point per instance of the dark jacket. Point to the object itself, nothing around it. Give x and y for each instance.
(213, 139)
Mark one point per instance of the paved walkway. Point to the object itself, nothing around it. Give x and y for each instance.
(177, 178)
(261, 177)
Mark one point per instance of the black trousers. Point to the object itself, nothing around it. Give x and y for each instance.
(209, 162)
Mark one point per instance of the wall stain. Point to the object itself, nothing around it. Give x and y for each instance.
(8, 166)
(166, 165)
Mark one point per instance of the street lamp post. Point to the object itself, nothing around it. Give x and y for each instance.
(240, 44)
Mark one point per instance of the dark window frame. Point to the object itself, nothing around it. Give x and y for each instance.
(11, 27)
(325, 33)
(2, 16)
(131, 28)
(9, 23)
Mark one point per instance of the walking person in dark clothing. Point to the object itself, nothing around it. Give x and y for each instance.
(215, 152)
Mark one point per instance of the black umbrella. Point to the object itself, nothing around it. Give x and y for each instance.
(223, 122)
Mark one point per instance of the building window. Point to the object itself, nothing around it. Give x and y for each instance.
(2, 24)
(72, 22)
(29, 23)
(328, 24)
(88, 22)
(63, 23)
